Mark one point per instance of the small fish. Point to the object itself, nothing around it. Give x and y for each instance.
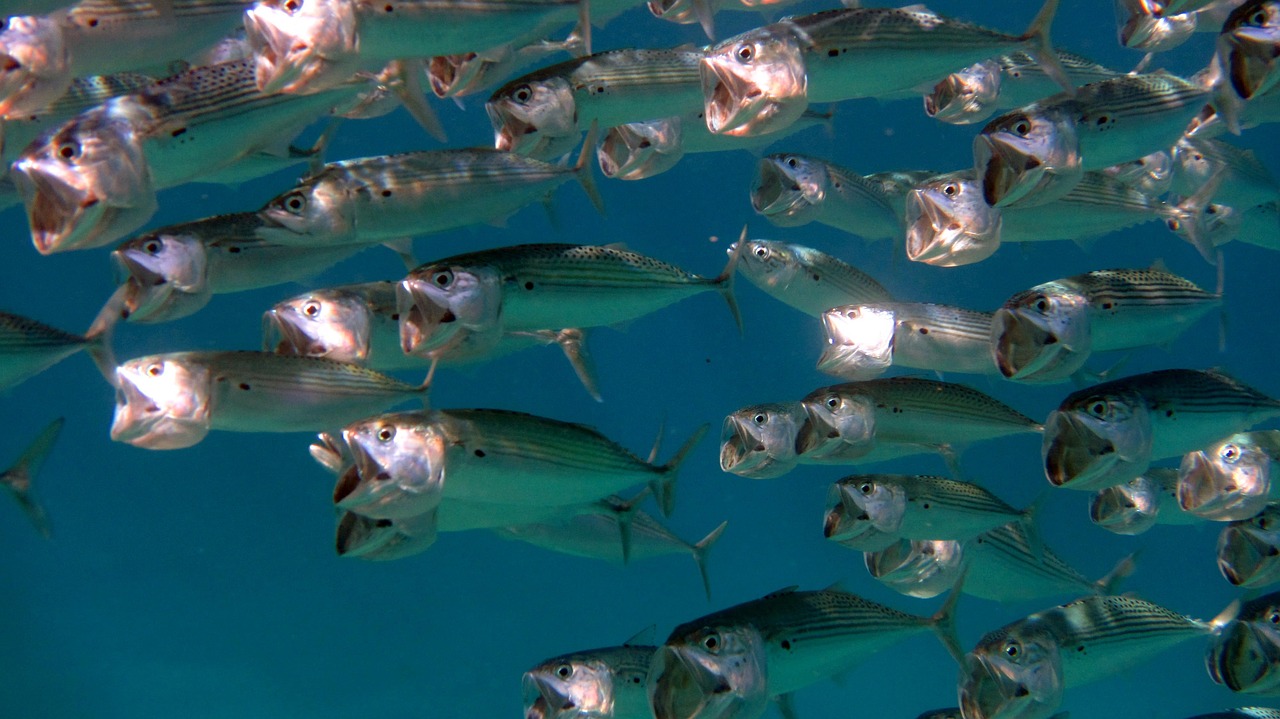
(807, 279)
(171, 401)
(1022, 669)
(28, 347)
(792, 190)
(1152, 175)
(730, 663)
(1110, 433)
(760, 441)
(1048, 332)
(1245, 657)
(1258, 225)
(921, 568)
(1249, 549)
(471, 72)
(1135, 506)
(1145, 25)
(1242, 180)
(912, 506)
(607, 683)
(864, 340)
(975, 93)
(1249, 45)
(1230, 480)
(18, 478)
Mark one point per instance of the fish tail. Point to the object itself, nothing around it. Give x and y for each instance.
(1041, 47)
(102, 331)
(19, 477)
(664, 485)
(582, 168)
(724, 281)
(700, 551)
(1111, 580)
(943, 622)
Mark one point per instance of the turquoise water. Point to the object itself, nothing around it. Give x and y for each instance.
(203, 582)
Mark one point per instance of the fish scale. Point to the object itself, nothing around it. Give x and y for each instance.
(938, 399)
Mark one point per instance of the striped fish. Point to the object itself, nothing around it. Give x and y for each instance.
(1231, 479)
(1109, 433)
(1135, 506)
(17, 479)
(792, 190)
(606, 682)
(171, 401)
(918, 506)
(807, 279)
(463, 74)
(731, 662)
(542, 114)
(1249, 549)
(1245, 657)
(1242, 180)
(759, 441)
(1242, 713)
(28, 347)
(83, 94)
(864, 340)
(975, 93)
(1022, 669)
(1048, 332)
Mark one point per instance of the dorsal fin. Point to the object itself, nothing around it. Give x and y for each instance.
(646, 637)
(779, 592)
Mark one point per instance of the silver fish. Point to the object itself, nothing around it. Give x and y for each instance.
(1152, 175)
(171, 401)
(1249, 549)
(18, 478)
(28, 347)
(729, 663)
(864, 340)
(922, 568)
(468, 73)
(1109, 433)
(975, 93)
(84, 93)
(807, 279)
(1245, 657)
(1146, 25)
(1230, 480)
(923, 507)
(1135, 506)
(380, 540)
(1048, 332)
(760, 441)
(792, 190)
(1242, 180)
(607, 683)
(1247, 47)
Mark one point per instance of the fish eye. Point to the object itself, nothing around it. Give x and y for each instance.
(1098, 408)
(1274, 616)
(523, 93)
(867, 488)
(311, 309)
(760, 418)
(1230, 452)
(792, 162)
(151, 247)
(762, 253)
(442, 278)
(745, 53)
(1012, 650)
(1041, 304)
(294, 202)
(386, 433)
(1022, 127)
(711, 642)
(1259, 18)
(1174, 225)
(69, 150)
(833, 402)
(564, 671)
(292, 6)
(951, 189)
(1211, 210)
(155, 369)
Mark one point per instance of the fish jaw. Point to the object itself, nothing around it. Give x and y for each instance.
(437, 303)
(755, 83)
(302, 46)
(330, 324)
(161, 404)
(965, 97)
(450, 75)
(1081, 451)
(586, 691)
(1246, 657)
(859, 341)
(166, 275)
(536, 119)
(35, 66)
(358, 536)
(917, 568)
(399, 463)
(757, 443)
(949, 224)
(993, 688)
(638, 150)
(846, 519)
(1250, 42)
(1027, 158)
(1141, 29)
(1130, 508)
(1249, 550)
(689, 681)
(319, 211)
(788, 190)
(1228, 482)
(1029, 346)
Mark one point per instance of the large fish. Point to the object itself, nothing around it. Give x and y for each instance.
(1048, 332)
(975, 93)
(84, 93)
(17, 479)
(865, 340)
(807, 279)
(1231, 479)
(606, 683)
(1135, 506)
(1109, 433)
(1249, 549)
(759, 441)
(731, 662)
(171, 401)
(792, 190)
(1245, 657)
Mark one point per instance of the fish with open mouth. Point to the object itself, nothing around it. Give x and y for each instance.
(17, 479)
(865, 340)
(1048, 332)
(1249, 549)
(759, 441)
(1230, 480)
(1110, 433)
(1021, 671)
(467, 73)
(975, 93)
(1245, 656)
(792, 190)
(732, 662)
(688, 12)
(763, 79)
(171, 401)
(1242, 180)
(1135, 506)
(918, 506)
(1153, 27)
(84, 93)
(809, 280)
(1249, 48)
(605, 683)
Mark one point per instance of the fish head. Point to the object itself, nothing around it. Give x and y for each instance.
(320, 209)
(1144, 25)
(1013, 673)
(711, 672)
(1097, 440)
(399, 465)
(1028, 156)
(836, 423)
(87, 182)
(789, 189)
(1150, 174)
(846, 524)
(1245, 655)
(333, 323)
(859, 341)
(878, 499)
(1249, 550)
(638, 150)
(1129, 508)
(162, 402)
(759, 441)
(967, 96)
(754, 83)
(918, 568)
(437, 302)
(1217, 224)
(167, 274)
(1192, 167)
(1225, 482)
(770, 264)
(452, 75)
(1042, 334)
(35, 65)
(569, 688)
(950, 224)
(681, 12)
(538, 118)
(302, 46)
(1249, 46)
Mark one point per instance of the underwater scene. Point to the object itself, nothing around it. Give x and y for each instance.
(170, 567)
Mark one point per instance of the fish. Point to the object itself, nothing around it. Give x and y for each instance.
(1248, 47)
(976, 92)
(864, 340)
(1036, 153)
(1245, 656)
(29, 347)
(380, 540)
(1152, 174)
(468, 73)
(1258, 225)
(173, 272)
(791, 190)
(1242, 180)
(543, 113)
(1048, 332)
(1242, 713)
(731, 662)
(406, 463)
(1146, 25)
(761, 80)
(1023, 669)
(533, 287)
(1230, 480)
(1110, 433)
(18, 478)
(759, 441)
(83, 93)
(607, 683)
(924, 507)
(1249, 549)
(921, 568)
(1135, 506)
(173, 400)
(809, 280)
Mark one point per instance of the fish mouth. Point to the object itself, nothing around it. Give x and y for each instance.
(1245, 658)
(64, 213)
(746, 455)
(1114, 509)
(940, 104)
(544, 701)
(815, 433)
(777, 194)
(356, 487)
(1251, 60)
(424, 325)
(987, 692)
(1023, 348)
(1009, 173)
(625, 154)
(936, 237)
(677, 11)
(1207, 491)
(284, 336)
(147, 291)
(444, 73)
(682, 686)
(512, 133)
(860, 342)
(845, 520)
(283, 60)
(139, 421)
(1075, 455)
(1245, 558)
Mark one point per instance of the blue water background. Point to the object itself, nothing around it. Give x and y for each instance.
(202, 583)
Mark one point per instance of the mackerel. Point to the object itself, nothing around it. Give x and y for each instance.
(864, 340)
(804, 278)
